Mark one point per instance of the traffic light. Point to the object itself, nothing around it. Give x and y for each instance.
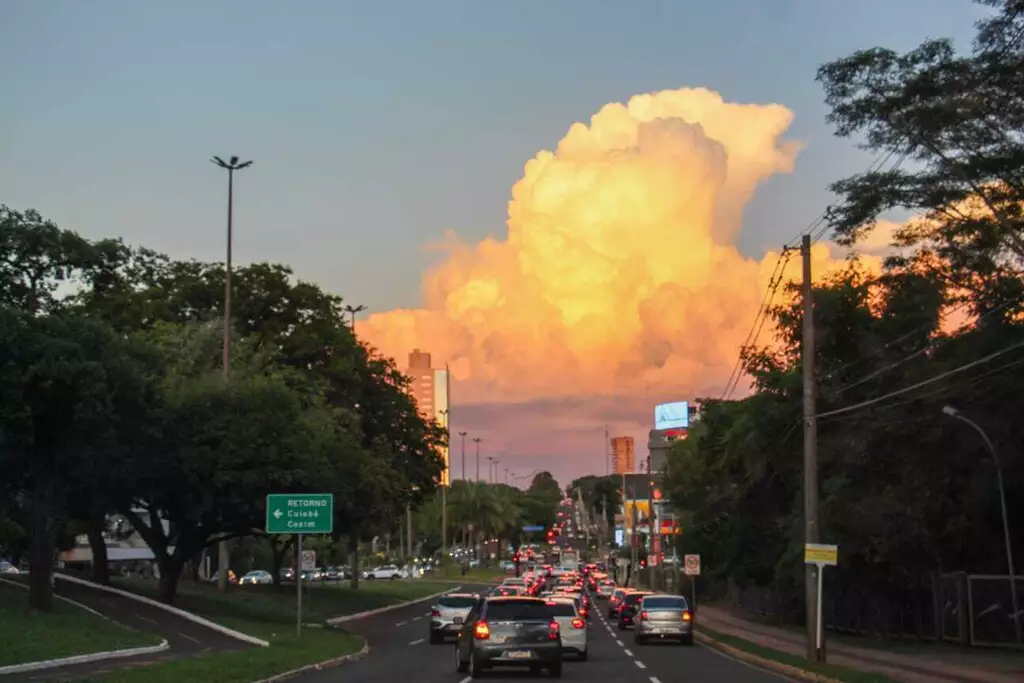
(551, 535)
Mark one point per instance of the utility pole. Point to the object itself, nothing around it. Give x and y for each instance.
(463, 435)
(607, 454)
(490, 469)
(231, 165)
(811, 527)
(477, 441)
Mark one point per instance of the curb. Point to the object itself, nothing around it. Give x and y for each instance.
(237, 635)
(83, 659)
(77, 604)
(319, 666)
(334, 621)
(762, 662)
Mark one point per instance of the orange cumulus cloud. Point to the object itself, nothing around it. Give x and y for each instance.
(619, 274)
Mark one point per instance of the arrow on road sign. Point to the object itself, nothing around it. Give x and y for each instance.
(277, 514)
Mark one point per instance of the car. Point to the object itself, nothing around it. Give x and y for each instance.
(630, 608)
(664, 616)
(444, 611)
(615, 602)
(257, 576)
(572, 624)
(390, 571)
(509, 632)
(605, 589)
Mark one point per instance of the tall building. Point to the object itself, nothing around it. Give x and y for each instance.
(429, 388)
(622, 454)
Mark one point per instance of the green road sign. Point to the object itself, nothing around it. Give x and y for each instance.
(300, 513)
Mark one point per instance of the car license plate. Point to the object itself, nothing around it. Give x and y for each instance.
(519, 654)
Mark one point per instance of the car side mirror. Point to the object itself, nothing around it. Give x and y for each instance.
(457, 621)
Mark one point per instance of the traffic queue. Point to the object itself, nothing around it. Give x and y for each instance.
(540, 619)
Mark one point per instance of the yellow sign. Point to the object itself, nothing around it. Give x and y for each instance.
(821, 554)
(643, 511)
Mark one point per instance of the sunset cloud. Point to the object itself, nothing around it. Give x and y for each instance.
(619, 281)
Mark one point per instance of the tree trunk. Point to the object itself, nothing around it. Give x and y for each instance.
(171, 567)
(98, 545)
(42, 549)
(277, 553)
(353, 560)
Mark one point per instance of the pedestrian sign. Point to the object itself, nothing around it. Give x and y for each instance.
(691, 565)
(300, 513)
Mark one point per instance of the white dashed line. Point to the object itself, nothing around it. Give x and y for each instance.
(639, 664)
(654, 679)
(417, 642)
(402, 623)
(467, 679)
(619, 643)
(416, 618)
(628, 653)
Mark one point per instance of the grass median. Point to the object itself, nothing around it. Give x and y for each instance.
(269, 613)
(29, 636)
(838, 673)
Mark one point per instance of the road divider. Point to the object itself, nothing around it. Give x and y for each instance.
(83, 659)
(388, 608)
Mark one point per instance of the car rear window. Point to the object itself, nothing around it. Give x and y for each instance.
(634, 598)
(517, 610)
(562, 609)
(456, 602)
(664, 603)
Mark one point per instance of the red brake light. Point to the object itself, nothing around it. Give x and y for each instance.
(687, 616)
(578, 623)
(583, 611)
(435, 613)
(551, 604)
(553, 630)
(643, 615)
(481, 631)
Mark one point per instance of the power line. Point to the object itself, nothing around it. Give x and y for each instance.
(941, 376)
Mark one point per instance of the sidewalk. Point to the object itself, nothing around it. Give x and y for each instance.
(942, 665)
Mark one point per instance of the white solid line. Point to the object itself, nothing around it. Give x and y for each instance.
(417, 642)
(401, 623)
(628, 653)
(639, 664)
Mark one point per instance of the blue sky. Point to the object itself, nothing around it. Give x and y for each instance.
(375, 126)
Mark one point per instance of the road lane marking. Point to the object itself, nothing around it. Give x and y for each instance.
(639, 664)
(654, 679)
(417, 642)
(628, 653)
(189, 638)
(467, 679)
(416, 618)
(402, 623)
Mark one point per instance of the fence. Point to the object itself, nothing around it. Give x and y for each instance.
(971, 609)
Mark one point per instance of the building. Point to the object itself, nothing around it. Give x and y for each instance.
(659, 441)
(429, 388)
(623, 454)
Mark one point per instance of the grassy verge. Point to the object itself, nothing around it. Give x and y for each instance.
(268, 613)
(27, 636)
(475, 575)
(839, 673)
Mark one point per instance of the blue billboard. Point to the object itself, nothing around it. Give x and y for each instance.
(672, 415)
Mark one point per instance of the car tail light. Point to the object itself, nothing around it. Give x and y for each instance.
(435, 613)
(583, 611)
(578, 623)
(687, 616)
(643, 615)
(481, 631)
(553, 630)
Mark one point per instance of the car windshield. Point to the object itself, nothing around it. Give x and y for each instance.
(462, 601)
(664, 603)
(518, 610)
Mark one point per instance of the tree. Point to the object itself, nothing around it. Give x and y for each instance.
(68, 388)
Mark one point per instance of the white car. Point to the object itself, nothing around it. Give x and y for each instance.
(257, 577)
(571, 624)
(390, 572)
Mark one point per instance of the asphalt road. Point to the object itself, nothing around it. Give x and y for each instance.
(399, 652)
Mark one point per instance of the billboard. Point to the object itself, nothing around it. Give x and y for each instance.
(672, 415)
(441, 384)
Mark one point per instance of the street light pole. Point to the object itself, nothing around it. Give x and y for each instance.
(954, 413)
(490, 469)
(477, 441)
(463, 435)
(352, 310)
(231, 165)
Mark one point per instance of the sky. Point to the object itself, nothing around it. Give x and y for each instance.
(565, 201)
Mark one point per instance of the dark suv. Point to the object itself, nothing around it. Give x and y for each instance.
(630, 606)
(509, 631)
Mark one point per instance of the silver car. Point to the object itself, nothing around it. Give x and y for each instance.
(442, 615)
(572, 625)
(661, 617)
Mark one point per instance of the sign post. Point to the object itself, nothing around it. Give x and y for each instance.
(691, 567)
(299, 514)
(821, 555)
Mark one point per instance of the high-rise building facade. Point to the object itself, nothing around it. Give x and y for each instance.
(429, 388)
(622, 454)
